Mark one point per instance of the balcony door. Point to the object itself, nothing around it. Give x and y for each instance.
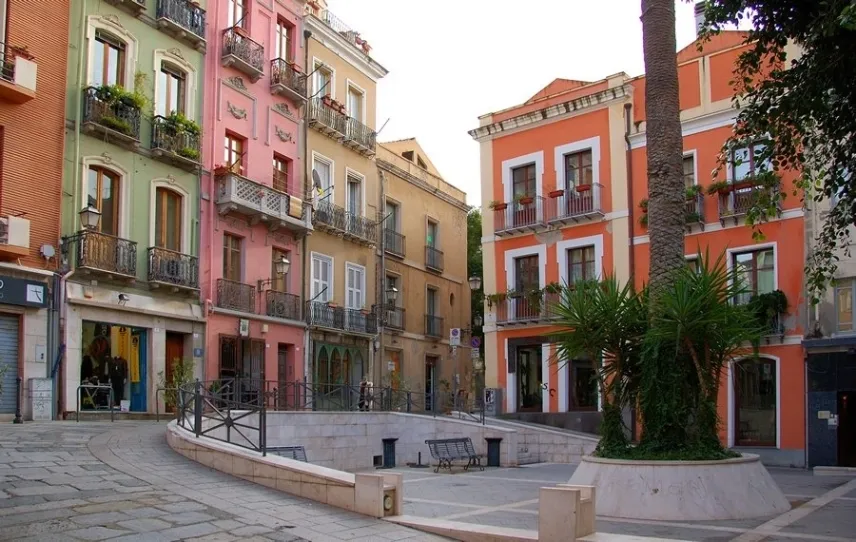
(168, 219)
(108, 61)
(231, 258)
(431, 310)
(237, 13)
(355, 195)
(578, 183)
(283, 41)
(279, 283)
(355, 295)
(523, 187)
(103, 194)
(525, 303)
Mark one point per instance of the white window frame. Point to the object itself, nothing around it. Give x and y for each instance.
(730, 374)
(328, 295)
(318, 157)
(185, 212)
(362, 92)
(164, 55)
(362, 289)
(318, 64)
(357, 175)
(509, 165)
(99, 22)
(694, 154)
(562, 248)
(124, 191)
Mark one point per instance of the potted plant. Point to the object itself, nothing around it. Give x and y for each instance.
(524, 199)
(498, 205)
(693, 217)
(718, 187)
(327, 100)
(693, 192)
(556, 193)
(643, 220)
(643, 204)
(583, 187)
(220, 170)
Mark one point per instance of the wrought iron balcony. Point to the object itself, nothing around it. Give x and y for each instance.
(522, 215)
(393, 242)
(526, 308)
(287, 81)
(740, 198)
(433, 326)
(98, 252)
(180, 148)
(173, 269)
(695, 211)
(393, 317)
(338, 26)
(325, 315)
(135, 7)
(282, 305)
(336, 221)
(242, 53)
(17, 74)
(278, 209)
(360, 229)
(433, 259)
(338, 126)
(572, 206)
(236, 296)
(329, 217)
(184, 20)
(118, 122)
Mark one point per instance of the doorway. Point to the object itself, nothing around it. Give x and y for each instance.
(430, 381)
(174, 354)
(530, 378)
(847, 429)
(284, 375)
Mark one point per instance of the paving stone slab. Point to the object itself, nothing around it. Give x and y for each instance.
(96, 533)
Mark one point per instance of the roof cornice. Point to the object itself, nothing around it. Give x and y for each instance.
(552, 113)
(333, 41)
(416, 181)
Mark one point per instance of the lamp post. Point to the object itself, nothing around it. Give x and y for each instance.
(89, 217)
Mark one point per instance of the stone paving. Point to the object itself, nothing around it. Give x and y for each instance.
(99, 481)
(824, 506)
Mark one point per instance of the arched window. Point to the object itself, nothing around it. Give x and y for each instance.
(168, 219)
(172, 90)
(755, 399)
(102, 192)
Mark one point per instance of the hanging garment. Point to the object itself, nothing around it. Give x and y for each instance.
(134, 365)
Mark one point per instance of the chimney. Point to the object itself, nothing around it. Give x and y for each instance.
(699, 16)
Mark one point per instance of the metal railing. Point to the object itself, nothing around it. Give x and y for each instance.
(282, 305)
(7, 62)
(283, 73)
(172, 267)
(243, 48)
(527, 308)
(322, 314)
(236, 296)
(165, 137)
(94, 392)
(119, 116)
(361, 227)
(695, 209)
(526, 213)
(216, 410)
(338, 26)
(107, 253)
(738, 201)
(330, 215)
(329, 117)
(433, 326)
(360, 134)
(189, 16)
(573, 204)
(433, 258)
(393, 242)
(392, 317)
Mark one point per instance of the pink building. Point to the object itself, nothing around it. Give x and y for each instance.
(254, 214)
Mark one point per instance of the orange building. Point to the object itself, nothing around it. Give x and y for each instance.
(564, 194)
(32, 127)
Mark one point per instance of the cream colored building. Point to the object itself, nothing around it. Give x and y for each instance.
(426, 293)
(340, 260)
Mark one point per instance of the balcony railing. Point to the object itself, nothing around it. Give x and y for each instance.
(242, 53)
(239, 194)
(360, 228)
(180, 148)
(360, 137)
(350, 35)
(283, 183)
(105, 253)
(286, 80)
(18, 73)
(118, 121)
(433, 326)
(236, 296)
(393, 242)
(433, 258)
(322, 314)
(183, 18)
(573, 205)
(335, 219)
(527, 308)
(695, 210)
(329, 216)
(393, 317)
(173, 268)
(282, 305)
(518, 216)
(341, 127)
(737, 202)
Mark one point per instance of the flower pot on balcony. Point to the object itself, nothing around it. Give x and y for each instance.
(500, 207)
(219, 171)
(327, 100)
(241, 31)
(526, 200)
(583, 188)
(556, 193)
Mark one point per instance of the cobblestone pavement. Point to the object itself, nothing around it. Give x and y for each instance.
(824, 506)
(98, 481)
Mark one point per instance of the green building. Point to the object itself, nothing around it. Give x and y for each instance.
(130, 208)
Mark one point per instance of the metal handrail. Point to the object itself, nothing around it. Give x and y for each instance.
(95, 387)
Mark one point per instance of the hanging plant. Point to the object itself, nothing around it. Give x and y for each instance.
(643, 220)
(643, 204)
(556, 193)
(693, 192)
(719, 187)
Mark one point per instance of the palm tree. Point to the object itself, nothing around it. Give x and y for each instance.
(666, 199)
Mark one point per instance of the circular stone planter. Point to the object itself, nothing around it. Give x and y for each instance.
(738, 488)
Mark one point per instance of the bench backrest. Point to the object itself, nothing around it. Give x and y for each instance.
(451, 448)
(292, 452)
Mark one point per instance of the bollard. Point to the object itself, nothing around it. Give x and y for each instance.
(18, 417)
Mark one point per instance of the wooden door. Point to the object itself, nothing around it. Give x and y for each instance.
(174, 353)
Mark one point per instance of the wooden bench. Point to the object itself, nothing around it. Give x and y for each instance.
(297, 453)
(447, 450)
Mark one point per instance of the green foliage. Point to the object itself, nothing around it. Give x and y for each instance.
(114, 95)
(474, 265)
(767, 307)
(804, 106)
(693, 191)
(115, 123)
(717, 187)
(643, 204)
(182, 374)
(693, 217)
(189, 153)
(181, 124)
(643, 220)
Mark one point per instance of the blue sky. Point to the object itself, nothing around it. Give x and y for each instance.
(453, 60)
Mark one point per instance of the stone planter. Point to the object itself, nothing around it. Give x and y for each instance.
(739, 488)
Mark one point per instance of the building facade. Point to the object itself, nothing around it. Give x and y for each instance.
(565, 193)
(426, 292)
(255, 215)
(341, 256)
(130, 213)
(32, 109)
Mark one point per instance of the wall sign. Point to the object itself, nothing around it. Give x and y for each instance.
(23, 292)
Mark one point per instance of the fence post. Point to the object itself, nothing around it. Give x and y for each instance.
(409, 401)
(197, 408)
(263, 431)
(18, 417)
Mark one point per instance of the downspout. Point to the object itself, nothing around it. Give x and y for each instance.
(208, 300)
(630, 215)
(308, 184)
(382, 273)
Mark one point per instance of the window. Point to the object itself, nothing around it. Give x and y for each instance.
(281, 167)
(323, 80)
(580, 264)
(324, 169)
(322, 278)
(168, 219)
(234, 155)
(745, 161)
(171, 89)
(431, 302)
(231, 257)
(237, 13)
(431, 235)
(283, 41)
(278, 283)
(755, 402)
(693, 264)
(393, 214)
(689, 171)
(355, 103)
(108, 60)
(408, 155)
(420, 162)
(526, 273)
(355, 195)
(578, 170)
(844, 304)
(757, 270)
(102, 192)
(392, 282)
(355, 286)
(523, 180)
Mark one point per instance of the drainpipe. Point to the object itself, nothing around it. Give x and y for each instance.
(307, 183)
(58, 392)
(382, 272)
(630, 215)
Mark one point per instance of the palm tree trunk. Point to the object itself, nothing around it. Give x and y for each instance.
(666, 197)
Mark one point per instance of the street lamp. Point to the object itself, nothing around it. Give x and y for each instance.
(89, 217)
(391, 296)
(475, 282)
(281, 268)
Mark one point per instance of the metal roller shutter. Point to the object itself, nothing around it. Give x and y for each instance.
(8, 359)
